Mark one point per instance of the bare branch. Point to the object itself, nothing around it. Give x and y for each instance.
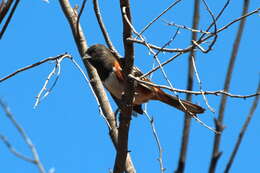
(56, 70)
(127, 98)
(9, 18)
(200, 85)
(94, 78)
(186, 27)
(154, 20)
(187, 118)
(65, 55)
(162, 64)
(242, 132)
(217, 93)
(27, 140)
(92, 90)
(239, 19)
(214, 34)
(160, 150)
(154, 46)
(215, 153)
(13, 150)
(4, 8)
(201, 39)
(103, 28)
(80, 13)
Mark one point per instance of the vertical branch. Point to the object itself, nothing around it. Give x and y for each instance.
(219, 122)
(187, 120)
(96, 83)
(242, 132)
(103, 28)
(127, 99)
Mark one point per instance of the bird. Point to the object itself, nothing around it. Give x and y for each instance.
(110, 71)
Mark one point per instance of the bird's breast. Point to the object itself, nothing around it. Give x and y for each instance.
(113, 85)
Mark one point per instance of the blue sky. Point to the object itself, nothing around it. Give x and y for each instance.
(66, 127)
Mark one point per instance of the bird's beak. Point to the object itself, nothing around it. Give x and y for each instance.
(87, 57)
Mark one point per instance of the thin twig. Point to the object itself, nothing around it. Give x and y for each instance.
(56, 70)
(218, 16)
(156, 58)
(201, 39)
(186, 27)
(200, 85)
(217, 93)
(27, 140)
(214, 34)
(154, 54)
(231, 23)
(219, 122)
(242, 132)
(160, 149)
(160, 15)
(13, 150)
(205, 125)
(34, 65)
(92, 90)
(103, 28)
(79, 15)
(134, 40)
(162, 64)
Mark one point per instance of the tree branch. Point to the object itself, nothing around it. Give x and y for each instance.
(27, 140)
(9, 17)
(127, 99)
(217, 93)
(103, 28)
(94, 78)
(219, 122)
(160, 15)
(242, 132)
(65, 55)
(187, 118)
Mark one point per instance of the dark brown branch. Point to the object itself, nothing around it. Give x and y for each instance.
(103, 28)
(9, 18)
(4, 8)
(127, 99)
(80, 13)
(94, 78)
(242, 132)
(219, 122)
(187, 118)
(35, 64)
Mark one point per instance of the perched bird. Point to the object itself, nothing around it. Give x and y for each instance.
(110, 72)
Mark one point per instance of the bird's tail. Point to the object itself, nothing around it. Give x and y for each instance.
(182, 105)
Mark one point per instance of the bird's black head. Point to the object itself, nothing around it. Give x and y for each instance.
(102, 59)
